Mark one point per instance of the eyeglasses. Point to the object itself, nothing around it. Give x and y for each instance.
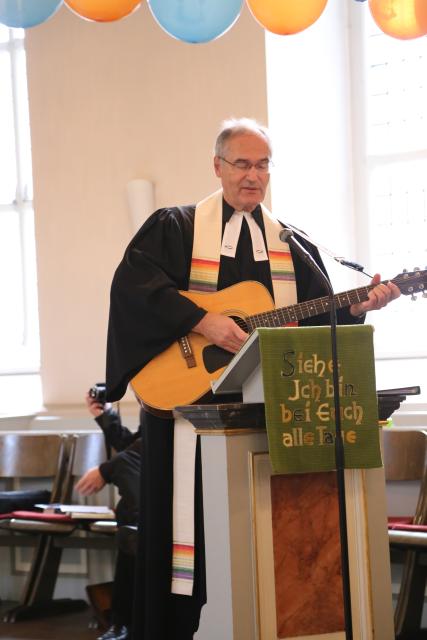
(262, 166)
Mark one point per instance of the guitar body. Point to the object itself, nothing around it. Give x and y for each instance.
(167, 380)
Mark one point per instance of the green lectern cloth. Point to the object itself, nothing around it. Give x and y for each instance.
(299, 397)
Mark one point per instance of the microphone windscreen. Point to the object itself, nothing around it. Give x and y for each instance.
(285, 234)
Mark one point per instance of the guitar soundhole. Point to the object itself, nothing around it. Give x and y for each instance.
(241, 323)
(215, 358)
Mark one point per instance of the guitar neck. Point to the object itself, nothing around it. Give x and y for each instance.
(309, 309)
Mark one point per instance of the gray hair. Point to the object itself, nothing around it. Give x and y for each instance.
(238, 126)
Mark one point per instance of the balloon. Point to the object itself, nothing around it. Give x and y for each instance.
(285, 17)
(195, 20)
(22, 14)
(404, 19)
(102, 10)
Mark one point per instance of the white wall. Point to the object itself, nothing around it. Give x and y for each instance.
(309, 105)
(109, 103)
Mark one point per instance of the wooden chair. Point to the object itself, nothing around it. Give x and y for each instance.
(26, 456)
(405, 459)
(85, 451)
(33, 456)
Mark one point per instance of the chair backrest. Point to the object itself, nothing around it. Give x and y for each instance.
(34, 456)
(405, 459)
(87, 451)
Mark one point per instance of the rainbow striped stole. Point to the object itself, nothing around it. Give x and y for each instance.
(281, 265)
(183, 562)
(204, 274)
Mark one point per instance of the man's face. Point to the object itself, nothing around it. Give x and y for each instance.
(243, 189)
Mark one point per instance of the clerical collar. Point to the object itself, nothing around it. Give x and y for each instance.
(233, 224)
(227, 212)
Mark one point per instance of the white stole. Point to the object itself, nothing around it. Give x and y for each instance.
(204, 277)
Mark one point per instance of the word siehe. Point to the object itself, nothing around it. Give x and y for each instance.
(298, 364)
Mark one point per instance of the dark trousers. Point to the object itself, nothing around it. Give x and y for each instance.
(123, 588)
(126, 479)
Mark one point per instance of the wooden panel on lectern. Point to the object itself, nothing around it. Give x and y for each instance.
(306, 550)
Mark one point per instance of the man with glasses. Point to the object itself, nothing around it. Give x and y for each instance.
(228, 238)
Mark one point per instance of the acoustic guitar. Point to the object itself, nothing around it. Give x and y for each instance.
(182, 373)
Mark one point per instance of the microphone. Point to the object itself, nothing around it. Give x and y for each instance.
(352, 265)
(287, 235)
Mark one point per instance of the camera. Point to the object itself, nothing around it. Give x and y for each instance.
(98, 392)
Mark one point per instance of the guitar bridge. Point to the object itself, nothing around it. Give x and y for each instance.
(187, 352)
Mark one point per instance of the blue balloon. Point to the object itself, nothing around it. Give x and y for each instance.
(196, 21)
(22, 14)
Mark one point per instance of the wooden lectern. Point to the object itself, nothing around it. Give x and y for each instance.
(272, 542)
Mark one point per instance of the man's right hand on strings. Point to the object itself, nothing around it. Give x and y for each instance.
(222, 331)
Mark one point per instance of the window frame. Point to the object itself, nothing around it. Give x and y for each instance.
(27, 357)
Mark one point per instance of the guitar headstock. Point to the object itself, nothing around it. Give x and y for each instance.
(412, 282)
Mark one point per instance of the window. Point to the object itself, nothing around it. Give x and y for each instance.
(395, 157)
(348, 114)
(19, 335)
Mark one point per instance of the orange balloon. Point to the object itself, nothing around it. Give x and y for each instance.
(285, 17)
(404, 19)
(102, 10)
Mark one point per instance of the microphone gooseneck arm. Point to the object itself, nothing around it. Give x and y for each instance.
(287, 235)
(340, 259)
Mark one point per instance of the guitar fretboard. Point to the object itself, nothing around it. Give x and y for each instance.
(293, 313)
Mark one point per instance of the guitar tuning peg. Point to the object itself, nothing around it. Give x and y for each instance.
(413, 297)
(416, 269)
(405, 271)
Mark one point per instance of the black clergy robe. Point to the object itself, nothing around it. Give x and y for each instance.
(147, 314)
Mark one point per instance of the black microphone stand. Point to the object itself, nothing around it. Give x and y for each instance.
(288, 236)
